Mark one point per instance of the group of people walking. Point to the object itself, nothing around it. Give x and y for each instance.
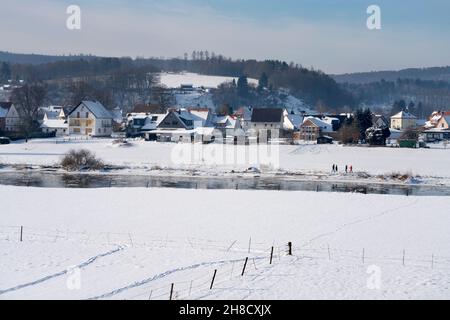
(348, 168)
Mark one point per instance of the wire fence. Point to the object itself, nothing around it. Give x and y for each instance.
(255, 257)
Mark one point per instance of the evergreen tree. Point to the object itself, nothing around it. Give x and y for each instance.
(263, 81)
(363, 119)
(242, 86)
(5, 72)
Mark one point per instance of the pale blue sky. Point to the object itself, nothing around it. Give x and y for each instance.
(328, 34)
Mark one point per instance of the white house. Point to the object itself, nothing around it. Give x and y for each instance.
(12, 120)
(268, 123)
(59, 126)
(403, 120)
(90, 118)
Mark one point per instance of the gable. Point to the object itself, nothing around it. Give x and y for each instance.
(94, 107)
(12, 112)
(172, 121)
(309, 123)
(444, 122)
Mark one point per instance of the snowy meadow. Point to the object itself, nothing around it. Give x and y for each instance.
(135, 243)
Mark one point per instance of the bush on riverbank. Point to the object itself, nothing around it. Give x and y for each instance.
(77, 160)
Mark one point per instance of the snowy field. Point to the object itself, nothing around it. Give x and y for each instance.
(142, 157)
(134, 243)
(175, 80)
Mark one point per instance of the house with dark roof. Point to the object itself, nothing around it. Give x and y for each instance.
(90, 118)
(267, 123)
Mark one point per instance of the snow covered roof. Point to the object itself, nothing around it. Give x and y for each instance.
(117, 115)
(149, 126)
(245, 113)
(436, 130)
(296, 120)
(206, 131)
(225, 122)
(421, 122)
(54, 124)
(3, 112)
(201, 114)
(96, 108)
(52, 114)
(325, 126)
(404, 115)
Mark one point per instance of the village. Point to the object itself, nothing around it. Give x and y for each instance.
(91, 119)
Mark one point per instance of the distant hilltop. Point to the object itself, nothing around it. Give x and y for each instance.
(35, 59)
(434, 73)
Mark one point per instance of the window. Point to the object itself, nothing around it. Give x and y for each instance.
(78, 114)
(87, 114)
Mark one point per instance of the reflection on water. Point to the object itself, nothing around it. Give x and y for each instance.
(58, 180)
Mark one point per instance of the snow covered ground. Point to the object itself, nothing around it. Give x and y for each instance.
(204, 99)
(175, 80)
(134, 243)
(218, 159)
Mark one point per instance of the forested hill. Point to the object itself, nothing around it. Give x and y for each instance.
(434, 74)
(313, 87)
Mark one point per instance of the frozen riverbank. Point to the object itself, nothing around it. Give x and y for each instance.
(304, 162)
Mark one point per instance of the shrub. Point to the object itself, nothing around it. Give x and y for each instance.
(400, 176)
(76, 160)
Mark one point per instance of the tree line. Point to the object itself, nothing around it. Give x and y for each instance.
(314, 87)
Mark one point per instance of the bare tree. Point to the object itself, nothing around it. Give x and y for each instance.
(28, 99)
(82, 90)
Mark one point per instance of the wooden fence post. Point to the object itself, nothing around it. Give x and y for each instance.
(21, 233)
(289, 248)
(245, 265)
(190, 287)
(171, 292)
(271, 255)
(404, 253)
(212, 281)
